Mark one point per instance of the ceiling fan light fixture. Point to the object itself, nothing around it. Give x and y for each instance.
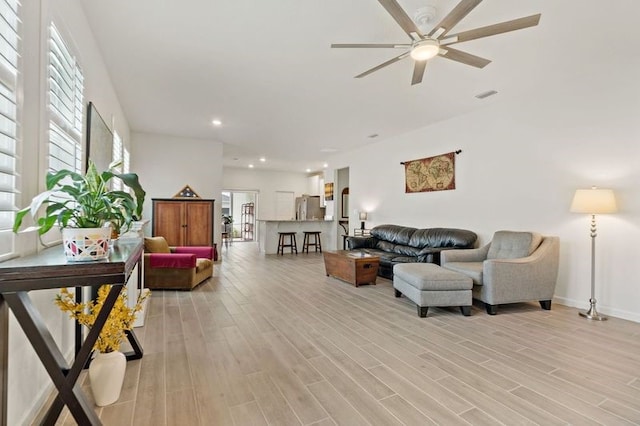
(425, 49)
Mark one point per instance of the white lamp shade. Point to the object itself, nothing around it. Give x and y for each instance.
(363, 215)
(594, 201)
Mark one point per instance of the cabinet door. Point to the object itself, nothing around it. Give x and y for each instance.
(199, 230)
(168, 221)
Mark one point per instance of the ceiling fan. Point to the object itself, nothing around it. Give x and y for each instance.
(438, 41)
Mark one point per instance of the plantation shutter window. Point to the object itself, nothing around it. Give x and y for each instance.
(10, 48)
(117, 156)
(66, 88)
(126, 161)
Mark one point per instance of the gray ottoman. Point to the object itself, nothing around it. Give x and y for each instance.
(427, 284)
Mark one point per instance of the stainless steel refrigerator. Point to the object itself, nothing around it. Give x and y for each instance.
(308, 208)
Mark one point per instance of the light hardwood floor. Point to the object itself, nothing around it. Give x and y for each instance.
(271, 340)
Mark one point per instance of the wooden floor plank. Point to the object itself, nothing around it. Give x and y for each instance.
(365, 404)
(561, 392)
(621, 410)
(270, 399)
(479, 418)
(429, 406)
(503, 413)
(289, 358)
(177, 373)
(150, 409)
(406, 412)
(338, 408)
(415, 375)
(181, 408)
(359, 374)
(248, 414)
(553, 407)
(229, 373)
(118, 414)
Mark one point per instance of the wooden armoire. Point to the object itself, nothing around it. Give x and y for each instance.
(183, 221)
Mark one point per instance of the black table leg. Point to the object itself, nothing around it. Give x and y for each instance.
(135, 344)
(4, 358)
(54, 362)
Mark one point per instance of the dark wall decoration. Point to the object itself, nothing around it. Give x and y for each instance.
(99, 140)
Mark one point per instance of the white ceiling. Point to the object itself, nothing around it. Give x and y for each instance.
(266, 70)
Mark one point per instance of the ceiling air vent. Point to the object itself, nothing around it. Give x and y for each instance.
(486, 94)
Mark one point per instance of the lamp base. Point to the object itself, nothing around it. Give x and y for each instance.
(592, 313)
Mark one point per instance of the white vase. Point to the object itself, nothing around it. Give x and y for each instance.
(86, 244)
(106, 375)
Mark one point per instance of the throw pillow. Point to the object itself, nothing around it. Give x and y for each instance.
(156, 245)
(513, 245)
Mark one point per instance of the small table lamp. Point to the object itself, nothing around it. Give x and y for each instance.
(363, 217)
(593, 201)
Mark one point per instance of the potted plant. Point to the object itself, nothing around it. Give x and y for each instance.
(227, 221)
(75, 201)
(107, 369)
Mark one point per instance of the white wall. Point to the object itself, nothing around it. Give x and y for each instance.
(521, 161)
(266, 183)
(165, 164)
(29, 384)
(315, 185)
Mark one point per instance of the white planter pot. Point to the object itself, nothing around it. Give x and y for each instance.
(106, 375)
(86, 244)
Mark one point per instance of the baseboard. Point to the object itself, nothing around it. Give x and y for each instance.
(603, 309)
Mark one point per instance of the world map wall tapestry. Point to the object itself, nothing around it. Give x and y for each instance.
(431, 174)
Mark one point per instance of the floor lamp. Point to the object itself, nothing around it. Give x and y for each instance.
(593, 201)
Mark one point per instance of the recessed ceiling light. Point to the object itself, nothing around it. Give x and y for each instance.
(325, 165)
(251, 166)
(308, 170)
(216, 122)
(262, 159)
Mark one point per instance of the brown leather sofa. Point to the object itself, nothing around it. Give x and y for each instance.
(175, 268)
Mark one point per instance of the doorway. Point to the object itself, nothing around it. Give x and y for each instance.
(239, 210)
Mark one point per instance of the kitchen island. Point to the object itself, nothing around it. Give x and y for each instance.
(268, 232)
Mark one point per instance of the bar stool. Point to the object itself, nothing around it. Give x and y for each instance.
(317, 245)
(291, 243)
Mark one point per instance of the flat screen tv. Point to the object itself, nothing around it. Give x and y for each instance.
(99, 140)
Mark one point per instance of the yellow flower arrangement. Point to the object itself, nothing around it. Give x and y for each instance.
(120, 319)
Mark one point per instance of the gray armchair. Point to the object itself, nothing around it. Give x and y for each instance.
(513, 267)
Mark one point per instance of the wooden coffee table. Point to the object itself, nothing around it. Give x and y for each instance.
(352, 266)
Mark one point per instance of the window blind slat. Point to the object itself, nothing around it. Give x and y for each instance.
(66, 83)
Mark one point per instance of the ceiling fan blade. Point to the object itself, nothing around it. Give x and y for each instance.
(370, 45)
(464, 57)
(418, 72)
(460, 11)
(401, 17)
(382, 65)
(503, 27)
